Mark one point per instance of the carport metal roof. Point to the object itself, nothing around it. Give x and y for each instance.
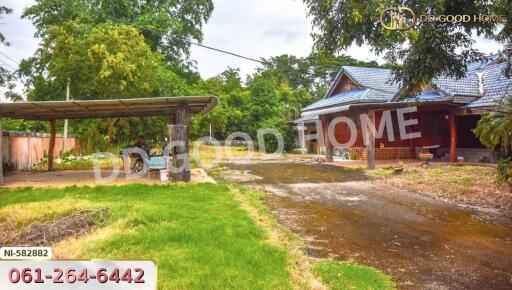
(89, 109)
(181, 107)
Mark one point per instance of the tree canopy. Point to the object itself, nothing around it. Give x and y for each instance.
(427, 50)
(6, 75)
(107, 61)
(167, 25)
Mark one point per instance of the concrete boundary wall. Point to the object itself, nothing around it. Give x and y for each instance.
(21, 150)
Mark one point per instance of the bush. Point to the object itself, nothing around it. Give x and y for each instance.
(505, 172)
(71, 161)
(297, 150)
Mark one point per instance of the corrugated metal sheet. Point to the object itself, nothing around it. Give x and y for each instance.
(83, 109)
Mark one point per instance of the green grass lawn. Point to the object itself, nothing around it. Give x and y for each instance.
(201, 236)
(198, 234)
(341, 276)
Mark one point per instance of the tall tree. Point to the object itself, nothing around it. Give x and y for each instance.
(104, 62)
(107, 61)
(6, 75)
(167, 25)
(427, 50)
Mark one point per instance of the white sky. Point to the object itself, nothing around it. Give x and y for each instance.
(254, 28)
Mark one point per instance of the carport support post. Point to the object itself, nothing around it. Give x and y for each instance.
(329, 147)
(51, 148)
(179, 132)
(370, 147)
(301, 128)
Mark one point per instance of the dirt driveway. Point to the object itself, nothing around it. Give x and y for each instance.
(422, 242)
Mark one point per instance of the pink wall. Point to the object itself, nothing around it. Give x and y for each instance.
(21, 151)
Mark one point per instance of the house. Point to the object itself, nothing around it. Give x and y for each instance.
(445, 113)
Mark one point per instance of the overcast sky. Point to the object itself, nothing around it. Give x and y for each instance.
(254, 28)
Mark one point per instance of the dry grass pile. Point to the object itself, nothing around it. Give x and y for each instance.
(46, 233)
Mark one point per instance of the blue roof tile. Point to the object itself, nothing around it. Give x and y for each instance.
(375, 78)
(351, 97)
(484, 81)
(495, 86)
(466, 86)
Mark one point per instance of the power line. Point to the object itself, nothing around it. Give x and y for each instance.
(11, 59)
(8, 65)
(230, 53)
(194, 43)
(333, 63)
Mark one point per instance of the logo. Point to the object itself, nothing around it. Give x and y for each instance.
(403, 18)
(398, 18)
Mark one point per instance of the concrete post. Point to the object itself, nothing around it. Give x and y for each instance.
(370, 147)
(51, 148)
(179, 132)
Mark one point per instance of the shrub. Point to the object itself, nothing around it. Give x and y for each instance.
(505, 172)
(71, 161)
(297, 150)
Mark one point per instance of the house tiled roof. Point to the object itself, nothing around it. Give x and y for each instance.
(425, 97)
(495, 86)
(375, 78)
(352, 96)
(466, 86)
(306, 119)
(484, 85)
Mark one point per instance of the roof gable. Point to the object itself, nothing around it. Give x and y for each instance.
(374, 78)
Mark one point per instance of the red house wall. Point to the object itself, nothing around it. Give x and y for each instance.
(433, 124)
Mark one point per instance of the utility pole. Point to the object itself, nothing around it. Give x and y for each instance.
(210, 132)
(65, 139)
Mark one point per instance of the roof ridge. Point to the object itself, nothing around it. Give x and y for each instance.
(367, 67)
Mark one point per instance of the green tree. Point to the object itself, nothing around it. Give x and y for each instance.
(428, 50)
(3, 11)
(228, 116)
(104, 62)
(167, 25)
(107, 61)
(266, 110)
(313, 73)
(6, 76)
(495, 129)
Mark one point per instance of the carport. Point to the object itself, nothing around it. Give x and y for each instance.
(180, 109)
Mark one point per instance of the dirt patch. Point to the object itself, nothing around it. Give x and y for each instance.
(422, 242)
(44, 234)
(298, 263)
(272, 172)
(87, 178)
(470, 185)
